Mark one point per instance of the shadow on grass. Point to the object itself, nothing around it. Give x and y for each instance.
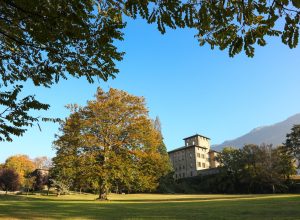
(22, 207)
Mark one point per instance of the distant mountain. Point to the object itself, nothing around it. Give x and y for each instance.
(273, 134)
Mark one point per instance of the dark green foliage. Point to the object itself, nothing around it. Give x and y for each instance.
(45, 41)
(255, 169)
(15, 118)
(167, 184)
(9, 179)
(292, 144)
(41, 179)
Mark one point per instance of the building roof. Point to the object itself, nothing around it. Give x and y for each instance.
(196, 135)
(185, 147)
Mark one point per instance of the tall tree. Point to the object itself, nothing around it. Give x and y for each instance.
(292, 143)
(67, 167)
(44, 41)
(116, 143)
(22, 164)
(231, 162)
(157, 126)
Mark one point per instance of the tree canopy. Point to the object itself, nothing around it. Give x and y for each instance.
(22, 165)
(9, 179)
(45, 41)
(110, 144)
(255, 169)
(292, 143)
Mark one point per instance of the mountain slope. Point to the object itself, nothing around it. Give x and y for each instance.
(273, 134)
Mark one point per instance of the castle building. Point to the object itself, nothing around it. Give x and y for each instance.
(195, 156)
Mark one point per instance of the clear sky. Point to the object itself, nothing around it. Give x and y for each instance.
(192, 89)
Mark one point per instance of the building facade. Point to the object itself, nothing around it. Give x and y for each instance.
(194, 156)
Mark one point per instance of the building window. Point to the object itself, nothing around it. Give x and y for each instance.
(203, 165)
(199, 164)
(202, 156)
(198, 154)
(190, 155)
(191, 165)
(182, 167)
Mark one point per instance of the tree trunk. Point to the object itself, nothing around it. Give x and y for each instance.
(103, 191)
(117, 189)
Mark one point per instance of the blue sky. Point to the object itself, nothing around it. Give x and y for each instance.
(192, 89)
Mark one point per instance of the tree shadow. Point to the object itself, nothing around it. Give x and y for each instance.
(22, 207)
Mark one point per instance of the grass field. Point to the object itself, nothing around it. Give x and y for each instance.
(151, 206)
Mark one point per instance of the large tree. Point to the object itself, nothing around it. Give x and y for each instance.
(44, 41)
(113, 143)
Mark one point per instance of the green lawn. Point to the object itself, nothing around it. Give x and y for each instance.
(151, 206)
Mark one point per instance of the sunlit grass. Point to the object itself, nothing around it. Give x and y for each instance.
(151, 206)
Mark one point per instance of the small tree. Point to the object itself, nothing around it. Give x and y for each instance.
(29, 183)
(9, 180)
(59, 186)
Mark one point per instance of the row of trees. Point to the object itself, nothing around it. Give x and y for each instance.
(255, 169)
(110, 144)
(18, 172)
